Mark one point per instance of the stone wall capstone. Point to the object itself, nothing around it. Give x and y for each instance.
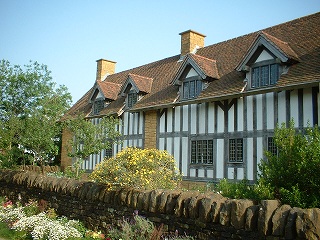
(202, 215)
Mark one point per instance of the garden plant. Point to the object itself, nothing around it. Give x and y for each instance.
(138, 168)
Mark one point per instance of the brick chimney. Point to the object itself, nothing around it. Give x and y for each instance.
(190, 40)
(105, 67)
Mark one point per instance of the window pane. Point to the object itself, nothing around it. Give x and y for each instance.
(239, 150)
(192, 89)
(199, 87)
(264, 75)
(132, 98)
(255, 77)
(204, 151)
(210, 151)
(274, 73)
(186, 90)
(199, 152)
(98, 106)
(272, 146)
(232, 150)
(193, 152)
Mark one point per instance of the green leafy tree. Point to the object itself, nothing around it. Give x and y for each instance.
(294, 173)
(91, 138)
(30, 107)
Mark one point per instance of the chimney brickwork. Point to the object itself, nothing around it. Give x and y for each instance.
(66, 161)
(150, 129)
(190, 40)
(105, 67)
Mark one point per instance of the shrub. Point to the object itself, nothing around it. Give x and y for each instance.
(242, 189)
(138, 168)
(294, 173)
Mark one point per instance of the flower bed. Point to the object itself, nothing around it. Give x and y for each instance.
(35, 221)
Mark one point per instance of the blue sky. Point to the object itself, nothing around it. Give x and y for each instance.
(70, 35)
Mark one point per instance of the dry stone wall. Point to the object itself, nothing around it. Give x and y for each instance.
(202, 215)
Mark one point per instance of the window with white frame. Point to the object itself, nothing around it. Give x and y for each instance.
(191, 88)
(236, 150)
(264, 74)
(202, 151)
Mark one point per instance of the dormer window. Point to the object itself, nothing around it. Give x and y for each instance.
(192, 87)
(132, 98)
(98, 105)
(264, 74)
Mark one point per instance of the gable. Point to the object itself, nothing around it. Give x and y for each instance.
(266, 46)
(264, 56)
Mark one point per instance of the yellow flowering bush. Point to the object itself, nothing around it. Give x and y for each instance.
(138, 168)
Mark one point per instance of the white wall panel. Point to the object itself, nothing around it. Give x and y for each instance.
(177, 119)
(231, 119)
(185, 118)
(176, 150)
(249, 113)
(260, 150)
(211, 118)
(169, 146)
(185, 154)
(200, 172)
(249, 159)
(220, 122)
(162, 123)
(210, 173)
(161, 143)
(136, 123)
(270, 110)
(240, 114)
(230, 173)
(169, 120)
(202, 118)
(192, 172)
(219, 159)
(240, 173)
(281, 107)
(193, 118)
(125, 123)
(307, 110)
(259, 112)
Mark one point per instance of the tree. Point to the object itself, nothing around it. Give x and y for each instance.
(30, 107)
(91, 138)
(294, 173)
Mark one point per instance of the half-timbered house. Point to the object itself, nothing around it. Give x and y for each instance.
(214, 108)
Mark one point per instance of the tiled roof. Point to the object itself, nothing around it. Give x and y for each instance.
(208, 66)
(283, 46)
(298, 39)
(109, 89)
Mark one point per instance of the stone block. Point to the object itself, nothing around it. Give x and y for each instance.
(238, 212)
(308, 224)
(225, 213)
(216, 209)
(266, 210)
(154, 200)
(252, 215)
(279, 220)
(179, 207)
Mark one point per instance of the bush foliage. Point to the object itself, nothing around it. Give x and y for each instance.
(138, 168)
(294, 173)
